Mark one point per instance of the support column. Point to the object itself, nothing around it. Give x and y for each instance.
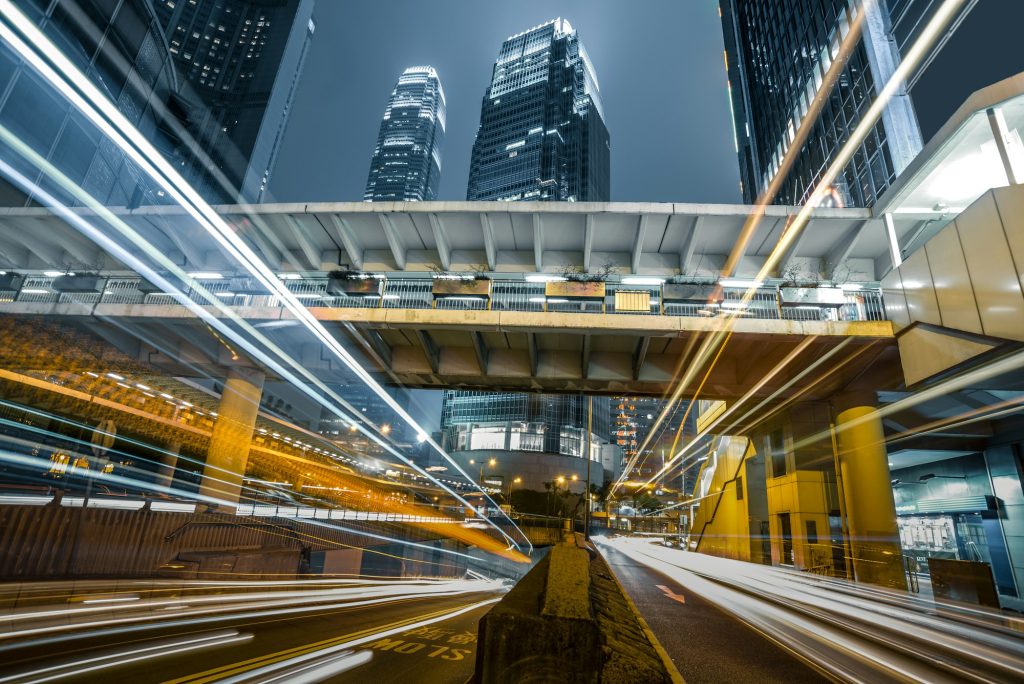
(168, 464)
(867, 493)
(232, 435)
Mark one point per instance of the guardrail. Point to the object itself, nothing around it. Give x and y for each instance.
(856, 303)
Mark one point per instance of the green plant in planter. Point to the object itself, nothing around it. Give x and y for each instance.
(575, 274)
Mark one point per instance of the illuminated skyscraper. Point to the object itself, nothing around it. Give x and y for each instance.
(542, 134)
(242, 60)
(406, 164)
(778, 55)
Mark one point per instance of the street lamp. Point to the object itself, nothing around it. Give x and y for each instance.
(512, 482)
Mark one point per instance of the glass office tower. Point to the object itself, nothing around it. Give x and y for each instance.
(778, 53)
(516, 421)
(406, 163)
(542, 134)
(120, 49)
(242, 60)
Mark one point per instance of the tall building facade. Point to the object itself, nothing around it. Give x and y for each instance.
(242, 60)
(778, 53)
(542, 134)
(634, 421)
(406, 163)
(516, 421)
(120, 49)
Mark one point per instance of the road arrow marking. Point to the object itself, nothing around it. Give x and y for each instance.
(670, 594)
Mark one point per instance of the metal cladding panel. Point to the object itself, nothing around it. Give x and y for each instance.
(1010, 203)
(919, 291)
(997, 286)
(952, 281)
(895, 300)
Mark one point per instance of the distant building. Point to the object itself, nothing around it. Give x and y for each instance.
(777, 55)
(537, 437)
(634, 419)
(406, 163)
(242, 60)
(542, 134)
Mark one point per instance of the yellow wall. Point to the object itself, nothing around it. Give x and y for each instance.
(802, 494)
(728, 529)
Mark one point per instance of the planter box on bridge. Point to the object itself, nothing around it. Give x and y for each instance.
(824, 297)
(11, 282)
(81, 284)
(354, 286)
(448, 288)
(690, 293)
(591, 291)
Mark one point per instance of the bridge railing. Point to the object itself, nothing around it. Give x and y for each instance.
(856, 303)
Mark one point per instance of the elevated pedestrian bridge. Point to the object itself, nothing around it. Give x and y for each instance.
(510, 335)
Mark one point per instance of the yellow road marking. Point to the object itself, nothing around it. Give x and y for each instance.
(245, 665)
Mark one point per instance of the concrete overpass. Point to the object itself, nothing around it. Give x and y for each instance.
(498, 237)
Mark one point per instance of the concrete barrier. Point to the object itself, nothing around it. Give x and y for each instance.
(568, 620)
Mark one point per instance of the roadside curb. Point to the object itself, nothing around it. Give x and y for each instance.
(670, 667)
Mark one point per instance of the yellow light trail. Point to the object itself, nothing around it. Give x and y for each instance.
(918, 51)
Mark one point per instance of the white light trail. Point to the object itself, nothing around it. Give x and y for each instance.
(90, 102)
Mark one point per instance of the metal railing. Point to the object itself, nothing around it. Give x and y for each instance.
(507, 294)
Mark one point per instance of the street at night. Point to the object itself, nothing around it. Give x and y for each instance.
(541, 342)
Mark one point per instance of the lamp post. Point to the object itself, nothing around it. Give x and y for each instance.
(517, 480)
(586, 490)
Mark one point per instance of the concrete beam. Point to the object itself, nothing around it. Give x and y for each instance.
(531, 340)
(638, 246)
(15, 254)
(430, 349)
(374, 345)
(790, 254)
(489, 246)
(394, 241)
(482, 353)
(444, 250)
(689, 244)
(588, 242)
(538, 243)
(585, 358)
(640, 355)
(842, 249)
(352, 246)
(310, 250)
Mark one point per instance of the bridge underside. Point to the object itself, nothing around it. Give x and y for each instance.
(512, 351)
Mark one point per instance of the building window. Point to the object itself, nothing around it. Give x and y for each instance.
(777, 452)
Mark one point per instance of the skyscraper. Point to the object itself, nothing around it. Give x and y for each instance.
(243, 60)
(130, 66)
(542, 133)
(778, 54)
(406, 163)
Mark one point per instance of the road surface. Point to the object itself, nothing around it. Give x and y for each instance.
(705, 643)
(356, 632)
(837, 629)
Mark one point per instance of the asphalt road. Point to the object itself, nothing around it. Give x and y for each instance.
(409, 639)
(848, 631)
(706, 644)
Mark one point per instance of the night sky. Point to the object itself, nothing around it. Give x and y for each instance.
(659, 64)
